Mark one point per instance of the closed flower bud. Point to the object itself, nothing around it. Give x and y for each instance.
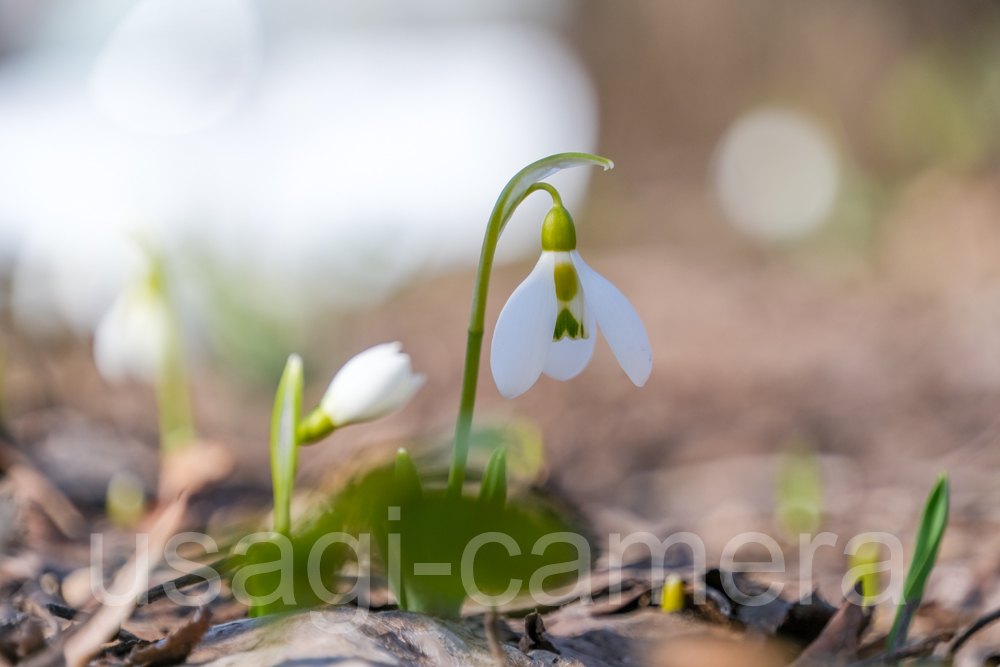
(372, 384)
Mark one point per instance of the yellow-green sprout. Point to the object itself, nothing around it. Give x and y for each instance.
(867, 555)
(799, 492)
(673, 594)
(126, 499)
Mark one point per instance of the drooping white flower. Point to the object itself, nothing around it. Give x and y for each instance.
(549, 324)
(130, 340)
(370, 385)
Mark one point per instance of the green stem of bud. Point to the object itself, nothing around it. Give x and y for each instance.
(314, 427)
(173, 396)
(173, 391)
(524, 183)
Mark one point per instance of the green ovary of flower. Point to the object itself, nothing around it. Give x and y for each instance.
(558, 231)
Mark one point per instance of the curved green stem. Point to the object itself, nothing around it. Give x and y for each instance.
(315, 426)
(524, 183)
(556, 199)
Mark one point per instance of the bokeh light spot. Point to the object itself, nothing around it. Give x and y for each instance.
(776, 174)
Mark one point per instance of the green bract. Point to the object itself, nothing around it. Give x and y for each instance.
(284, 443)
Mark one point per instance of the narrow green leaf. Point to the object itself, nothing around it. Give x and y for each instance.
(408, 487)
(284, 444)
(925, 550)
(493, 491)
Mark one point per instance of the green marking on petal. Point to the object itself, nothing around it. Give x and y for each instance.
(567, 282)
(566, 325)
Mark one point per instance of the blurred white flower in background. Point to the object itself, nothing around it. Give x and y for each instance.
(131, 339)
(370, 385)
(776, 174)
(328, 152)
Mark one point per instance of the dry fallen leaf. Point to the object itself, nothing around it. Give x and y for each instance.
(194, 467)
(35, 487)
(177, 646)
(707, 651)
(839, 641)
(534, 635)
(21, 637)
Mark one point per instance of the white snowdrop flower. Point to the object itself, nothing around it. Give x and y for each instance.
(550, 322)
(370, 385)
(130, 340)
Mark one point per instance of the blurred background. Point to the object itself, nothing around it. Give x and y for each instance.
(805, 211)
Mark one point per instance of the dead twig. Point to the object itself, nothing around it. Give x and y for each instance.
(210, 572)
(920, 649)
(980, 623)
(493, 637)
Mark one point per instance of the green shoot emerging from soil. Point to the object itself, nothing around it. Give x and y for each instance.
(925, 550)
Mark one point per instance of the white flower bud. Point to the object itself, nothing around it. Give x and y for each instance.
(370, 385)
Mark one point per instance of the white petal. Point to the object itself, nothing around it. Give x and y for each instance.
(619, 323)
(567, 358)
(524, 330)
(403, 392)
